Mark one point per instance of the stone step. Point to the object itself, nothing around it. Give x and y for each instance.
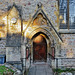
(40, 69)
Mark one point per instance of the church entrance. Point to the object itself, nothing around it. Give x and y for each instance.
(39, 48)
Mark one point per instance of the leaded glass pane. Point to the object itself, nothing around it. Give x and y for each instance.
(63, 13)
(72, 14)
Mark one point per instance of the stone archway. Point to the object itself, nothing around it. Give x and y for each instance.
(48, 38)
(39, 48)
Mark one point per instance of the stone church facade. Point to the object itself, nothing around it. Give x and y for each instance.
(30, 32)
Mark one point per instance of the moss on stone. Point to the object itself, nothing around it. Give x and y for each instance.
(4, 70)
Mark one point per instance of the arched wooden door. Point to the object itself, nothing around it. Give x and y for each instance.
(39, 48)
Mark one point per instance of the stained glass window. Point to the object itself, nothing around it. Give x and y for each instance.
(67, 14)
(72, 14)
(63, 13)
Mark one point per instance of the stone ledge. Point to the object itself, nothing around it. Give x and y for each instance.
(66, 31)
(14, 62)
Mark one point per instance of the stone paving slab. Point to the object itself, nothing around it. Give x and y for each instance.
(40, 69)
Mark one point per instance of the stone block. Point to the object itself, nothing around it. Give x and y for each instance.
(13, 54)
(66, 73)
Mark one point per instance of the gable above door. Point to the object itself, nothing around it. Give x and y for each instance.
(41, 21)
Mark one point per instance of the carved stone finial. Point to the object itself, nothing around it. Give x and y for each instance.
(39, 5)
(13, 3)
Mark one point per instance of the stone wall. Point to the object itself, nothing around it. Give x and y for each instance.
(13, 54)
(29, 7)
(68, 50)
(2, 46)
(68, 45)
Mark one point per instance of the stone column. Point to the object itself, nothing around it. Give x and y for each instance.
(23, 53)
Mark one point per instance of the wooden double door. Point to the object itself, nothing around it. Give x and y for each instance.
(39, 49)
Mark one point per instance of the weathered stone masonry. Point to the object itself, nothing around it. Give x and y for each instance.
(14, 45)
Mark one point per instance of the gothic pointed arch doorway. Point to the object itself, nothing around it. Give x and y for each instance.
(39, 48)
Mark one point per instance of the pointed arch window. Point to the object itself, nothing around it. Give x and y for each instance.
(67, 14)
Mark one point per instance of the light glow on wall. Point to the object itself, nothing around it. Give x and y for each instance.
(70, 53)
(24, 25)
(27, 32)
(0, 34)
(0, 27)
(5, 19)
(13, 20)
(38, 39)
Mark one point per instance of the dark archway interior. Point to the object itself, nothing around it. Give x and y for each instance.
(39, 48)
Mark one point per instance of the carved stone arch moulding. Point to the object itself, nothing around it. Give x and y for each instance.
(43, 30)
(41, 23)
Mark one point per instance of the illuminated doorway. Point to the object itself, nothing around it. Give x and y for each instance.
(39, 48)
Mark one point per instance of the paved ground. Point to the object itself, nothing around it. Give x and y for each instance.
(40, 69)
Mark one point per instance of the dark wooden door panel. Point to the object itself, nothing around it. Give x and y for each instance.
(40, 50)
